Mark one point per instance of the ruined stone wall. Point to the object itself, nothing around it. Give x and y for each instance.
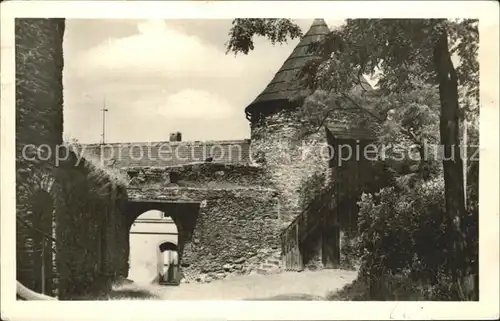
(235, 230)
(289, 162)
(39, 120)
(199, 175)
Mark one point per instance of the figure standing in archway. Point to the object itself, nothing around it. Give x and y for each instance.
(166, 266)
(173, 267)
(170, 262)
(170, 267)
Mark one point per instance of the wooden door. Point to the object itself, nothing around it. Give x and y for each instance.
(331, 247)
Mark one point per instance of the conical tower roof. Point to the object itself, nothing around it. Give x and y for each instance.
(285, 83)
(283, 86)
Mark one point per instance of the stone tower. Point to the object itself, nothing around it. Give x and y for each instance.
(275, 124)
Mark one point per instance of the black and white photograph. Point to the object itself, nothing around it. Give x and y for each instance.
(214, 157)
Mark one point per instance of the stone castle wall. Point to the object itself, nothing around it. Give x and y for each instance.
(235, 230)
(199, 175)
(291, 162)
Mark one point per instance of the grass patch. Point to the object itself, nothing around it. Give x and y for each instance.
(394, 288)
(355, 291)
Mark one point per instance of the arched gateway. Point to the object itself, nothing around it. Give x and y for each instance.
(158, 233)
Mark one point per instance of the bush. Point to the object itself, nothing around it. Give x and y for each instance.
(406, 238)
(394, 287)
(350, 250)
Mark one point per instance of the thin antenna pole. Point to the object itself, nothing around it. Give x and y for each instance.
(104, 110)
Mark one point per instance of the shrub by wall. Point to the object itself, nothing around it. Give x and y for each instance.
(406, 234)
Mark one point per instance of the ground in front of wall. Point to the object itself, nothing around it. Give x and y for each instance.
(306, 285)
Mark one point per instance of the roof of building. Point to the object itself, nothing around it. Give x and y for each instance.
(285, 83)
(164, 154)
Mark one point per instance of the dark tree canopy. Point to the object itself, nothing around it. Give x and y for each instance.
(276, 30)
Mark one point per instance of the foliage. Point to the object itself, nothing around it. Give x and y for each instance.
(406, 125)
(399, 51)
(311, 188)
(243, 30)
(410, 131)
(350, 258)
(404, 231)
(395, 287)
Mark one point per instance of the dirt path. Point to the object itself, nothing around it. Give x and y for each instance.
(307, 285)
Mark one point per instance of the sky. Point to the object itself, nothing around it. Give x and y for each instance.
(161, 76)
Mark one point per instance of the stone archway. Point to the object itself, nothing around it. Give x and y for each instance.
(148, 231)
(183, 214)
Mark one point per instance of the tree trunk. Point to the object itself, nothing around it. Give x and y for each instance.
(450, 141)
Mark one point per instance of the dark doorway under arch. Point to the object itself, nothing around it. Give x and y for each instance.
(170, 268)
(168, 246)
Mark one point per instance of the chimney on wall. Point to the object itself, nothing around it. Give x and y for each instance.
(176, 137)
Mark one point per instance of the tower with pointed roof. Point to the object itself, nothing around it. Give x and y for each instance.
(275, 124)
(283, 86)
